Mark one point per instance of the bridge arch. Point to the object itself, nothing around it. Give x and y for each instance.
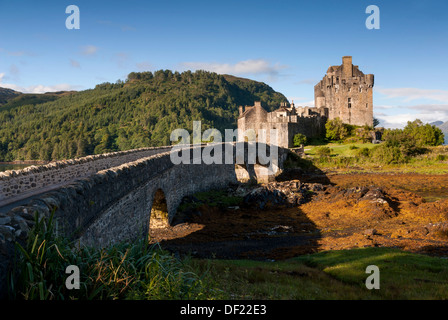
(124, 203)
(159, 211)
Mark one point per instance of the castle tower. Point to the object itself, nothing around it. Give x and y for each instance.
(347, 93)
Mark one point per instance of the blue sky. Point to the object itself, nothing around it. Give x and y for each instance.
(286, 44)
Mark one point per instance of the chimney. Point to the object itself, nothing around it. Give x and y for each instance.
(347, 67)
(241, 109)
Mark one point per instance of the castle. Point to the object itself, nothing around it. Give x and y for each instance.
(344, 92)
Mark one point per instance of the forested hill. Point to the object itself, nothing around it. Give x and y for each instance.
(7, 94)
(139, 112)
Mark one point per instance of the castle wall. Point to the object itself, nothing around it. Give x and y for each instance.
(251, 120)
(287, 122)
(347, 93)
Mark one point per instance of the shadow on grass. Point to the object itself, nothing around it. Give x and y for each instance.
(298, 168)
(403, 275)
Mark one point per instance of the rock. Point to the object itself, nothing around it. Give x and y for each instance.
(20, 223)
(263, 198)
(4, 219)
(7, 233)
(373, 194)
(316, 187)
(370, 232)
(22, 234)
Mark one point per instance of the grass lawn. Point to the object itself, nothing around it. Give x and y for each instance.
(340, 149)
(425, 164)
(332, 275)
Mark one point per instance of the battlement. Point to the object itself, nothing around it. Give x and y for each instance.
(344, 92)
(347, 93)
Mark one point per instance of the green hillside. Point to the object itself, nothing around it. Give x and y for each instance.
(139, 112)
(7, 94)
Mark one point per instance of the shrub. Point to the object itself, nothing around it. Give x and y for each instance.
(424, 134)
(299, 139)
(336, 130)
(323, 152)
(388, 155)
(364, 152)
(364, 133)
(295, 161)
(405, 142)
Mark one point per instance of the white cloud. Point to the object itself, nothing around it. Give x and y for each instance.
(397, 116)
(301, 101)
(410, 94)
(14, 71)
(40, 88)
(431, 107)
(17, 53)
(144, 66)
(123, 27)
(385, 107)
(89, 50)
(127, 28)
(426, 113)
(74, 63)
(122, 58)
(253, 66)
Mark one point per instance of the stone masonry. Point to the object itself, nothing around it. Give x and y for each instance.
(347, 93)
(344, 92)
(17, 183)
(288, 121)
(118, 203)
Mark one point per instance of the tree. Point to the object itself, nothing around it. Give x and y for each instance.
(119, 116)
(364, 133)
(376, 122)
(424, 134)
(336, 130)
(299, 139)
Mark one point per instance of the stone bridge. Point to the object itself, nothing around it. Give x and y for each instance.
(105, 199)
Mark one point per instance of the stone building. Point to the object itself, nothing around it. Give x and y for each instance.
(347, 93)
(287, 120)
(344, 92)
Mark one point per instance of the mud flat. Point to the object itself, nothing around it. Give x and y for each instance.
(406, 211)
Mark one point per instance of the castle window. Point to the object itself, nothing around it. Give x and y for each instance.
(367, 105)
(360, 89)
(349, 102)
(349, 89)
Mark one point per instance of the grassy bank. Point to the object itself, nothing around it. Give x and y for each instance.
(357, 157)
(139, 271)
(333, 275)
(135, 270)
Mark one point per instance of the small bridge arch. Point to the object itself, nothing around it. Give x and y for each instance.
(158, 218)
